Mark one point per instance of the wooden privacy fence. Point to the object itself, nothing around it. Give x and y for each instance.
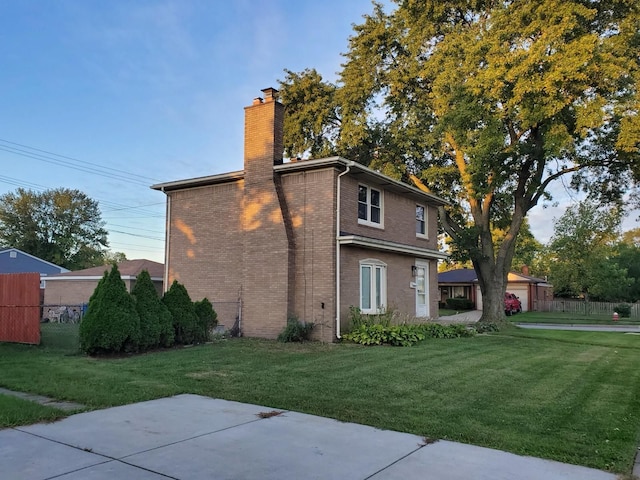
(580, 307)
(20, 307)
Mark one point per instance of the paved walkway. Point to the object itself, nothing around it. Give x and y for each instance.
(193, 437)
(49, 402)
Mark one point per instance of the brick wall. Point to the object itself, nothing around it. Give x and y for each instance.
(312, 205)
(68, 292)
(205, 244)
(266, 248)
(399, 216)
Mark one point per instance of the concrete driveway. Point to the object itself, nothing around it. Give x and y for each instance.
(193, 437)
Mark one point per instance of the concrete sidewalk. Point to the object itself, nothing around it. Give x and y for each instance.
(193, 437)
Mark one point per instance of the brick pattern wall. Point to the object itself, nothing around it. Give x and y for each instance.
(266, 253)
(205, 246)
(78, 292)
(399, 216)
(399, 226)
(69, 292)
(312, 205)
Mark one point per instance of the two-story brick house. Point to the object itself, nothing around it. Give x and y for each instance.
(306, 238)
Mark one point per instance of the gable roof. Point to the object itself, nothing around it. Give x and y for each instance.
(522, 278)
(468, 275)
(24, 262)
(128, 268)
(460, 275)
(354, 168)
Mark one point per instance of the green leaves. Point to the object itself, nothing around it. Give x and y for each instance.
(404, 335)
(61, 226)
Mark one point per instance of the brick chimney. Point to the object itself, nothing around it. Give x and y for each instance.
(525, 270)
(263, 135)
(266, 244)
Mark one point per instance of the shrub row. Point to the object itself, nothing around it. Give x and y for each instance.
(117, 321)
(459, 303)
(405, 335)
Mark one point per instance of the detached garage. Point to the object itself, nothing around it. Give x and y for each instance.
(528, 289)
(73, 289)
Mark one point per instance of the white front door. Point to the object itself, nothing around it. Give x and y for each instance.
(422, 289)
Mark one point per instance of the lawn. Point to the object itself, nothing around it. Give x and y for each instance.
(568, 396)
(570, 319)
(16, 411)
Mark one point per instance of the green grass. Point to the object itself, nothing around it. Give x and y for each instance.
(568, 396)
(60, 336)
(16, 411)
(444, 312)
(570, 319)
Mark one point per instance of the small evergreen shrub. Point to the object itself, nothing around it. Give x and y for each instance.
(296, 331)
(207, 319)
(156, 328)
(624, 310)
(183, 314)
(459, 304)
(111, 324)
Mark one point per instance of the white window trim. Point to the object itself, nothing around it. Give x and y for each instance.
(374, 264)
(426, 222)
(368, 221)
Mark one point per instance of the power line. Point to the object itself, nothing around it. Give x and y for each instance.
(114, 206)
(137, 228)
(137, 235)
(71, 162)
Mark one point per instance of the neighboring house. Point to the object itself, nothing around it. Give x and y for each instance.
(75, 288)
(463, 283)
(13, 260)
(459, 283)
(306, 239)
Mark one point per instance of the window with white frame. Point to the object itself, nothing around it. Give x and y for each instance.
(369, 206)
(373, 286)
(421, 221)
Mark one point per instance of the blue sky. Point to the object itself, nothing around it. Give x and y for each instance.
(150, 91)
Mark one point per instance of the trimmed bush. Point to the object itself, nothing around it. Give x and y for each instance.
(111, 324)
(156, 328)
(459, 304)
(207, 319)
(295, 331)
(183, 314)
(624, 310)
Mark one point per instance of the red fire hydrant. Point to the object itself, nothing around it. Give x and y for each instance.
(615, 316)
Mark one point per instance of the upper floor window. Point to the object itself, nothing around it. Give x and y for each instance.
(421, 221)
(369, 206)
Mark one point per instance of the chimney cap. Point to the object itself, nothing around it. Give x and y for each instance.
(269, 94)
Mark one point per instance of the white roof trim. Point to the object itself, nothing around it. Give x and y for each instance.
(95, 277)
(387, 246)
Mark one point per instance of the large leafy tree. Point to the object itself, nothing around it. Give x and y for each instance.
(61, 226)
(486, 103)
(583, 251)
(628, 257)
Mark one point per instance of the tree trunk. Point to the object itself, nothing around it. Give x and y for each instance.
(492, 282)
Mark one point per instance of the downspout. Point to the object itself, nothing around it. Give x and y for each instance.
(167, 236)
(349, 165)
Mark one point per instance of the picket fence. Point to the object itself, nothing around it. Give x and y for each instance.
(581, 307)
